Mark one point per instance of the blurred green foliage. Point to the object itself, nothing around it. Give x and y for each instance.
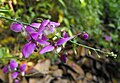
(96, 17)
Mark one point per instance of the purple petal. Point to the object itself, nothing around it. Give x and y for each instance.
(34, 35)
(13, 64)
(13, 61)
(42, 42)
(37, 25)
(44, 38)
(63, 58)
(28, 49)
(14, 75)
(46, 49)
(5, 69)
(29, 29)
(65, 35)
(54, 23)
(85, 36)
(62, 40)
(23, 67)
(107, 38)
(16, 27)
(42, 26)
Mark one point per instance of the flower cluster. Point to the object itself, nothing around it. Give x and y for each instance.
(37, 37)
(15, 69)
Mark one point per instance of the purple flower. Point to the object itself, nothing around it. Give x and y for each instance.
(85, 36)
(16, 27)
(63, 40)
(43, 26)
(15, 75)
(107, 38)
(63, 58)
(23, 67)
(46, 49)
(28, 49)
(36, 25)
(42, 42)
(13, 64)
(5, 69)
(47, 27)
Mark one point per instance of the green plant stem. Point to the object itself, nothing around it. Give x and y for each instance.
(98, 50)
(14, 20)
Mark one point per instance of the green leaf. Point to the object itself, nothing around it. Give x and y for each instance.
(1, 53)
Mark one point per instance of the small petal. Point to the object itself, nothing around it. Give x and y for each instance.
(13, 64)
(37, 25)
(85, 36)
(63, 58)
(5, 69)
(107, 38)
(34, 35)
(65, 35)
(29, 29)
(23, 67)
(54, 23)
(44, 38)
(16, 27)
(42, 42)
(42, 26)
(14, 75)
(28, 49)
(62, 40)
(46, 49)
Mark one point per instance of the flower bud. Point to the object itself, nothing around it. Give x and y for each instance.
(16, 27)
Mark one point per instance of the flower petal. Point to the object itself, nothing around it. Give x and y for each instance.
(23, 67)
(34, 35)
(42, 42)
(28, 49)
(42, 26)
(16, 27)
(29, 29)
(46, 49)
(65, 35)
(13, 64)
(44, 38)
(37, 25)
(5, 69)
(14, 75)
(54, 23)
(62, 40)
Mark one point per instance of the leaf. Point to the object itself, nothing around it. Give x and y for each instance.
(1, 53)
(62, 2)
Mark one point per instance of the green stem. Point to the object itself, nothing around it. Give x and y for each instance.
(14, 20)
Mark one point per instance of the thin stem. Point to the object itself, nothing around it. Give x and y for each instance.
(14, 20)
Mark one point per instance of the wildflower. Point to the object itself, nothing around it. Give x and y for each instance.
(5, 69)
(13, 64)
(63, 58)
(107, 38)
(28, 49)
(22, 67)
(62, 40)
(15, 75)
(47, 27)
(16, 27)
(85, 36)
